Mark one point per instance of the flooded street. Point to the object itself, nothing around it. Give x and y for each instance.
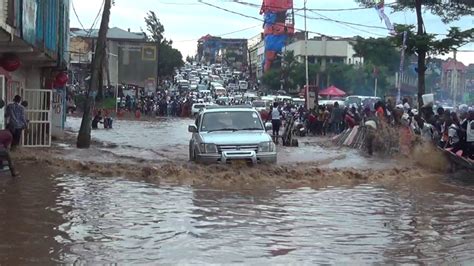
(75, 218)
(168, 140)
(102, 221)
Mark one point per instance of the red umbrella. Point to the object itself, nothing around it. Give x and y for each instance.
(332, 92)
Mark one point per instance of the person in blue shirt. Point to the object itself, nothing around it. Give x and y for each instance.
(16, 118)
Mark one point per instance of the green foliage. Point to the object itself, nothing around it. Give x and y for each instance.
(154, 27)
(359, 80)
(107, 103)
(169, 58)
(448, 10)
(271, 79)
(423, 44)
(379, 52)
(429, 43)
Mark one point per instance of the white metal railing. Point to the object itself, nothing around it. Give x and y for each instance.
(39, 114)
(4, 5)
(3, 11)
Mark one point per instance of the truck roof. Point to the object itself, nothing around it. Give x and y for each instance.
(235, 108)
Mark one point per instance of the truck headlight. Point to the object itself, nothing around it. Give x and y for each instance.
(266, 147)
(208, 148)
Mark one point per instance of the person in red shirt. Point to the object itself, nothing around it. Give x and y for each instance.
(379, 110)
(6, 139)
(312, 120)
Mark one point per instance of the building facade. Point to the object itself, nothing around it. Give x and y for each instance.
(453, 78)
(323, 51)
(217, 50)
(256, 57)
(130, 59)
(34, 42)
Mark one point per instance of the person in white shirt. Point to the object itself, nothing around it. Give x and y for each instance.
(406, 105)
(276, 115)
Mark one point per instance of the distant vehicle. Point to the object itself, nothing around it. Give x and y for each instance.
(299, 101)
(202, 87)
(223, 100)
(243, 85)
(199, 107)
(227, 134)
(232, 86)
(250, 96)
(269, 98)
(183, 84)
(359, 100)
(332, 102)
(260, 105)
(220, 91)
(282, 98)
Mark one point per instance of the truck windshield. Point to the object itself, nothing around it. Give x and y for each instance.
(258, 104)
(236, 120)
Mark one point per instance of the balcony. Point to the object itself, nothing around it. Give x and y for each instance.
(36, 30)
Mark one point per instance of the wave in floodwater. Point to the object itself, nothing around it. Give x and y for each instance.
(76, 219)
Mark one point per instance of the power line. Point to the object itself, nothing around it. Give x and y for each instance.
(224, 34)
(322, 17)
(77, 16)
(96, 19)
(251, 17)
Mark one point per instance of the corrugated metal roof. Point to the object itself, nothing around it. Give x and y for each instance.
(113, 33)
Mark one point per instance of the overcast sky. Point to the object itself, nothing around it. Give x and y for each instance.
(186, 21)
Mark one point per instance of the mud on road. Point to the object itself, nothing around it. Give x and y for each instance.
(156, 151)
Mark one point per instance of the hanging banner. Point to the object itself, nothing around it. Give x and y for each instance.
(380, 7)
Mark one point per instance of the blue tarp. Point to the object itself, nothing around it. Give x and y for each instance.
(270, 19)
(275, 42)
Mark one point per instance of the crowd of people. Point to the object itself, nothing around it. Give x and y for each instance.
(451, 130)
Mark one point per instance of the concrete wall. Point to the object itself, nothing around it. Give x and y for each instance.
(326, 48)
(113, 52)
(58, 113)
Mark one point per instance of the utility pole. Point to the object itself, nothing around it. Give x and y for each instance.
(306, 56)
(402, 63)
(84, 137)
(455, 79)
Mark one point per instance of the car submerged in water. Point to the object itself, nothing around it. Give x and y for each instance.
(228, 134)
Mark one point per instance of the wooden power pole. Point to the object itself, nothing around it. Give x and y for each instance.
(84, 137)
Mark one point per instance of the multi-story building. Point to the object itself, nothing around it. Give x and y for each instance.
(232, 52)
(453, 78)
(34, 42)
(131, 58)
(256, 57)
(323, 51)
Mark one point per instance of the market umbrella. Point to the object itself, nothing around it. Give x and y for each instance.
(332, 92)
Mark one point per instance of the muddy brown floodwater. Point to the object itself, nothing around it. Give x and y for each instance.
(87, 214)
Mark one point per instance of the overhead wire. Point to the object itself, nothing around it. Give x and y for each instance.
(77, 16)
(261, 20)
(96, 19)
(223, 34)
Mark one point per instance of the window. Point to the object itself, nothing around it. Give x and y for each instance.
(234, 120)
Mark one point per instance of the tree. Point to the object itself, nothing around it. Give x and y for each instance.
(84, 137)
(379, 52)
(169, 58)
(154, 27)
(271, 79)
(420, 42)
